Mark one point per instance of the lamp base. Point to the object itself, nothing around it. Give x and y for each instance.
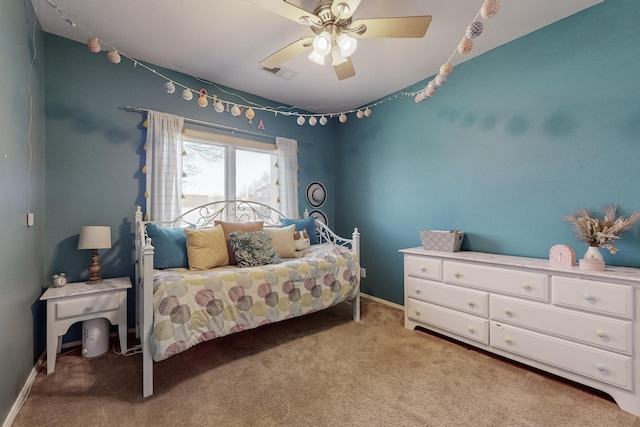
(95, 268)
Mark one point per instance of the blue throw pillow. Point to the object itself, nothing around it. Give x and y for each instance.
(169, 246)
(301, 224)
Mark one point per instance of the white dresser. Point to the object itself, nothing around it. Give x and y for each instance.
(576, 324)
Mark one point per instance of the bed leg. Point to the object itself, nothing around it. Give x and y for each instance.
(356, 308)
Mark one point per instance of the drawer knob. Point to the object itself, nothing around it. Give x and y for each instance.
(526, 287)
(471, 304)
(88, 308)
(600, 367)
(601, 333)
(509, 313)
(471, 329)
(417, 312)
(423, 269)
(457, 275)
(418, 291)
(589, 298)
(508, 340)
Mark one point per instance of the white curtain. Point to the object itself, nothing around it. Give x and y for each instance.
(164, 165)
(288, 177)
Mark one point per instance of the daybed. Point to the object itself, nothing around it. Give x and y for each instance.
(179, 307)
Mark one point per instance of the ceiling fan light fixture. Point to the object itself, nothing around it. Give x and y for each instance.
(347, 44)
(336, 57)
(322, 43)
(316, 57)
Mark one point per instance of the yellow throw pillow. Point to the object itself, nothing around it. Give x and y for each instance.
(282, 240)
(206, 248)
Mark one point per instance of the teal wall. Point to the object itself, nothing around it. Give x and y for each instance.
(518, 138)
(94, 150)
(21, 189)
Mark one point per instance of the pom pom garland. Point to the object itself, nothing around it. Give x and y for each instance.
(440, 80)
(465, 46)
(342, 118)
(170, 87)
(489, 9)
(446, 68)
(94, 45)
(187, 95)
(114, 56)
(474, 30)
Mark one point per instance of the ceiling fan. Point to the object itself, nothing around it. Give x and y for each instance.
(336, 32)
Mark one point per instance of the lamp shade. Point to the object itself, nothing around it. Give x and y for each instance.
(95, 237)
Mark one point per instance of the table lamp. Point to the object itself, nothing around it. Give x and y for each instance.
(95, 237)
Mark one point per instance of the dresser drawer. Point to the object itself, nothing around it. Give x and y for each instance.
(86, 305)
(427, 268)
(519, 283)
(610, 334)
(591, 295)
(598, 364)
(463, 299)
(462, 324)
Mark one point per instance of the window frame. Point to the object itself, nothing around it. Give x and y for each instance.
(230, 145)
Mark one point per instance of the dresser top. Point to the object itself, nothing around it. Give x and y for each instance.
(627, 274)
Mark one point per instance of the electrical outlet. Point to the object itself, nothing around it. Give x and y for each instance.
(363, 272)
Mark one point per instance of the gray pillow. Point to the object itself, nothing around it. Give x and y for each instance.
(253, 248)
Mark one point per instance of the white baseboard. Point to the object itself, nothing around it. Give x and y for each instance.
(24, 393)
(382, 301)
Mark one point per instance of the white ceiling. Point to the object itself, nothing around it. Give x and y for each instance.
(223, 41)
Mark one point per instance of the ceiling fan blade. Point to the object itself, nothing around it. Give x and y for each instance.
(288, 52)
(284, 9)
(339, 10)
(345, 69)
(404, 27)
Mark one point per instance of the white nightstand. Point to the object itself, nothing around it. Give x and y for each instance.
(79, 301)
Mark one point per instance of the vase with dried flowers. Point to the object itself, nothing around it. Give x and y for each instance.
(600, 233)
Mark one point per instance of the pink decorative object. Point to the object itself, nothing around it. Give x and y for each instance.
(474, 29)
(94, 45)
(591, 264)
(202, 99)
(359, 114)
(114, 56)
(562, 255)
(367, 112)
(489, 9)
(446, 68)
(465, 46)
(342, 118)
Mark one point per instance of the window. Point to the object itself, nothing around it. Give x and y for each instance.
(217, 167)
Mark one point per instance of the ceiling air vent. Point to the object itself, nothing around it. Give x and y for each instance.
(282, 72)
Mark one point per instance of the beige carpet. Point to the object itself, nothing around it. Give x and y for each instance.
(318, 370)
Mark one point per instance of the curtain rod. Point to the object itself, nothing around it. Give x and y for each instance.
(210, 124)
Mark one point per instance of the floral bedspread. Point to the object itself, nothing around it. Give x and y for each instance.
(195, 306)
